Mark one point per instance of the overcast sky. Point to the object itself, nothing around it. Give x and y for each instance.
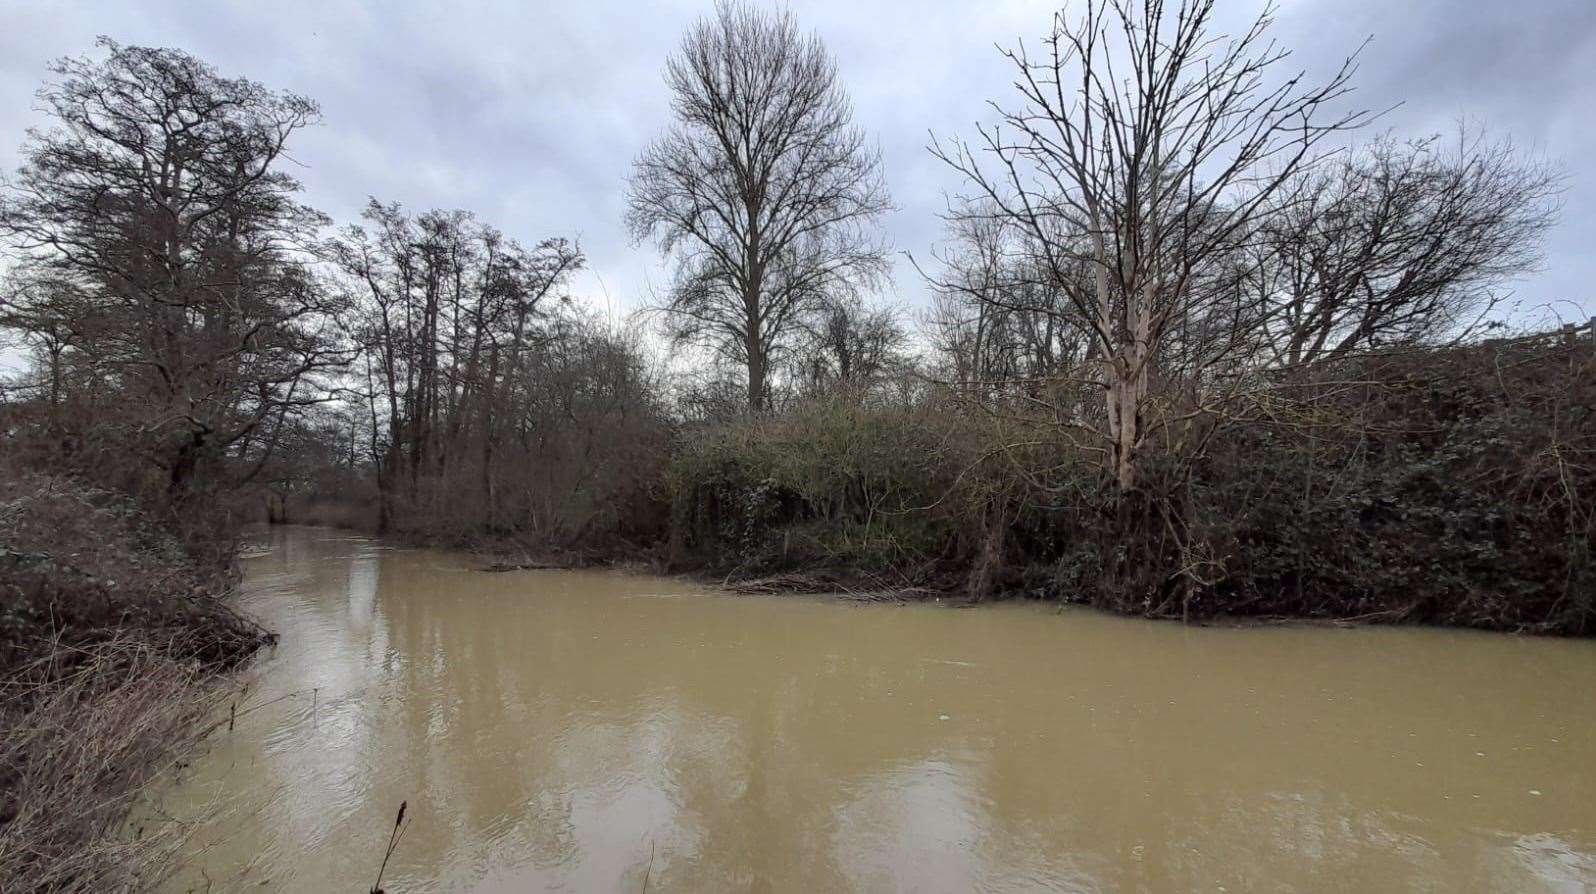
(530, 113)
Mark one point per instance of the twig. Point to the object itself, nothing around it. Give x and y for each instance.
(650, 870)
(393, 842)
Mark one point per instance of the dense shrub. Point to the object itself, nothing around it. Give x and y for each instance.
(110, 635)
(1460, 491)
(833, 481)
(79, 565)
(1449, 486)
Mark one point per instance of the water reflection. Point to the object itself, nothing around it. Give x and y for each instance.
(576, 731)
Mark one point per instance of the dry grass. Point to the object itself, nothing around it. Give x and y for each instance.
(79, 749)
(111, 644)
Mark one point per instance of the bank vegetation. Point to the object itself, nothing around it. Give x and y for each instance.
(1202, 341)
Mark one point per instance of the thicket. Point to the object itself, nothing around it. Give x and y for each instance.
(111, 635)
(80, 564)
(1450, 485)
(833, 483)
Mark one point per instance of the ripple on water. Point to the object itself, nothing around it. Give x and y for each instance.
(579, 730)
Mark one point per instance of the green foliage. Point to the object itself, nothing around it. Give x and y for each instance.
(832, 481)
(1461, 495)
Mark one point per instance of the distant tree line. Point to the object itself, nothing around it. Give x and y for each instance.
(1184, 341)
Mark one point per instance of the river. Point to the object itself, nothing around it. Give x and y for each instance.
(602, 731)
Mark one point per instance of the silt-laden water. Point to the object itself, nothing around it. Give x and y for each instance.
(583, 730)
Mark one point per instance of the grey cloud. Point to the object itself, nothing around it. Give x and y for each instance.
(530, 114)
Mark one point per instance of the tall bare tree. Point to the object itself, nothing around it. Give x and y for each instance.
(451, 314)
(999, 321)
(763, 190)
(157, 213)
(1143, 147)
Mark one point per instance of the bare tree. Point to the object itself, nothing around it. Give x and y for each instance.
(998, 321)
(451, 314)
(763, 190)
(157, 212)
(47, 314)
(1145, 146)
(850, 347)
(1404, 242)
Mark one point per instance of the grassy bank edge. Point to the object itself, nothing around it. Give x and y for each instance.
(118, 651)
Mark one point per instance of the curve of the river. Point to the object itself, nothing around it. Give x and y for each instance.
(599, 731)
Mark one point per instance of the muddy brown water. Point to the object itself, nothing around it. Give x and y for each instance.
(599, 731)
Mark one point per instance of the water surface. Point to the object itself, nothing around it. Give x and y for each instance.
(578, 731)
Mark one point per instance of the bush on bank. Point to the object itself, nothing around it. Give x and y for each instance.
(833, 482)
(111, 634)
(1459, 490)
(79, 564)
(1451, 486)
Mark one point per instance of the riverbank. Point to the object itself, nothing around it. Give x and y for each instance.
(1444, 487)
(115, 648)
(505, 553)
(1427, 517)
